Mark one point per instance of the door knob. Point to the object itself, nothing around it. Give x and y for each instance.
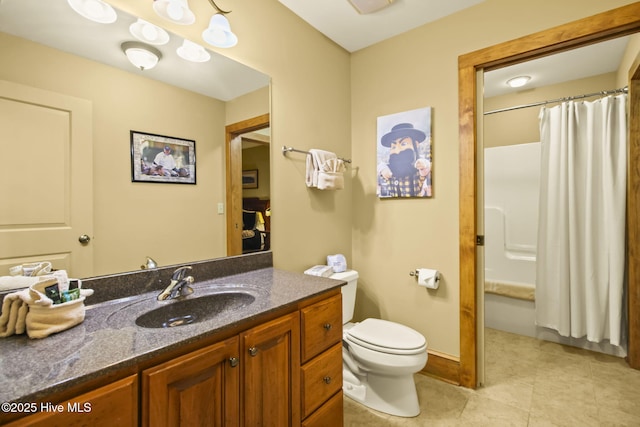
(84, 239)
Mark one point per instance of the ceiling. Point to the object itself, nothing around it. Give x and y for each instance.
(53, 23)
(340, 22)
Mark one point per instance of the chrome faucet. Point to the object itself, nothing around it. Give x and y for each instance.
(179, 285)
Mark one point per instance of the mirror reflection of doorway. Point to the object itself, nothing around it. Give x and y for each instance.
(255, 132)
(256, 191)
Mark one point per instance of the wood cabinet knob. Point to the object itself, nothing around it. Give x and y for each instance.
(327, 326)
(253, 351)
(233, 361)
(327, 380)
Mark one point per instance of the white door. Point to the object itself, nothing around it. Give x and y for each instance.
(46, 183)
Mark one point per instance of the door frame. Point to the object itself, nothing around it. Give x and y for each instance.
(604, 26)
(233, 163)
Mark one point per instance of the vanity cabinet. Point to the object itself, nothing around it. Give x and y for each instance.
(198, 389)
(271, 367)
(321, 357)
(115, 404)
(284, 371)
(203, 388)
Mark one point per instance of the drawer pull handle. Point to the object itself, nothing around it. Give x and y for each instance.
(327, 380)
(327, 326)
(233, 361)
(253, 351)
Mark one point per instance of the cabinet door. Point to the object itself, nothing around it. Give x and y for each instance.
(115, 404)
(271, 362)
(197, 389)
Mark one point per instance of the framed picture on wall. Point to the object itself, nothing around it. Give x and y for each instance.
(250, 178)
(162, 159)
(405, 155)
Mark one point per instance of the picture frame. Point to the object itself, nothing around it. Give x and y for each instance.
(250, 178)
(405, 155)
(162, 159)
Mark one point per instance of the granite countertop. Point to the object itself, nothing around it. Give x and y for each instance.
(109, 339)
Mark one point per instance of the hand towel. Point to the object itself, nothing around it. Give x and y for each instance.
(14, 313)
(315, 160)
(331, 175)
(31, 269)
(8, 283)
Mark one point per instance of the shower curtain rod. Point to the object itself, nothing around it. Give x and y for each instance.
(551, 101)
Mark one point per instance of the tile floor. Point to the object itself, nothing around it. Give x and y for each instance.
(528, 383)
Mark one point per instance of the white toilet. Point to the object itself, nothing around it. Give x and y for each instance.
(379, 358)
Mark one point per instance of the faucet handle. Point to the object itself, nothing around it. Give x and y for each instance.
(179, 273)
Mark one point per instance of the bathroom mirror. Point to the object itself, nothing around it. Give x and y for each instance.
(48, 47)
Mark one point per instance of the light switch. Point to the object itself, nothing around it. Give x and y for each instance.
(220, 208)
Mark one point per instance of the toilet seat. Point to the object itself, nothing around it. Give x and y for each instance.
(386, 337)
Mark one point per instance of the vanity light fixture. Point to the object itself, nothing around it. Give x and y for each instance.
(176, 11)
(193, 52)
(518, 81)
(148, 33)
(94, 10)
(141, 55)
(219, 32)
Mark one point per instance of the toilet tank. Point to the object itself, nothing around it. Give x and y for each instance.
(348, 293)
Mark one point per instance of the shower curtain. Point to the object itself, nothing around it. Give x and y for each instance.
(581, 232)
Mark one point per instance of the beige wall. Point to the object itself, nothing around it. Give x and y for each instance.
(393, 237)
(135, 220)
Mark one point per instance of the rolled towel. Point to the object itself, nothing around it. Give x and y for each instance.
(8, 283)
(15, 307)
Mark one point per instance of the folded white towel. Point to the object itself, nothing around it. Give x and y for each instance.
(331, 175)
(315, 160)
(14, 313)
(8, 283)
(31, 269)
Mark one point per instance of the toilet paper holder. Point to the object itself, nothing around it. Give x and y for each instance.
(414, 273)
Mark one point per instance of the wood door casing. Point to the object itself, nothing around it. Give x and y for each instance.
(607, 25)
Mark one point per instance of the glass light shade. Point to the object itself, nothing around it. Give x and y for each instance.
(140, 55)
(193, 52)
(518, 81)
(148, 33)
(94, 10)
(176, 11)
(219, 33)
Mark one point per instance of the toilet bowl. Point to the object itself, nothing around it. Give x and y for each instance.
(379, 358)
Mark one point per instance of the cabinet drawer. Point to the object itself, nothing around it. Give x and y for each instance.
(329, 414)
(321, 326)
(321, 378)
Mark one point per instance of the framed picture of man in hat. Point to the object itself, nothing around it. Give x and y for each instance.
(404, 154)
(162, 159)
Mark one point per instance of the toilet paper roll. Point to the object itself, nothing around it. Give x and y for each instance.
(428, 278)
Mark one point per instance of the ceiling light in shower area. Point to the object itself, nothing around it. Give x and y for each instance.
(518, 81)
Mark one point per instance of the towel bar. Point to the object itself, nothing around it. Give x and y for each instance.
(286, 150)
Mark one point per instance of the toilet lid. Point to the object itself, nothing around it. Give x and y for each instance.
(388, 337)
